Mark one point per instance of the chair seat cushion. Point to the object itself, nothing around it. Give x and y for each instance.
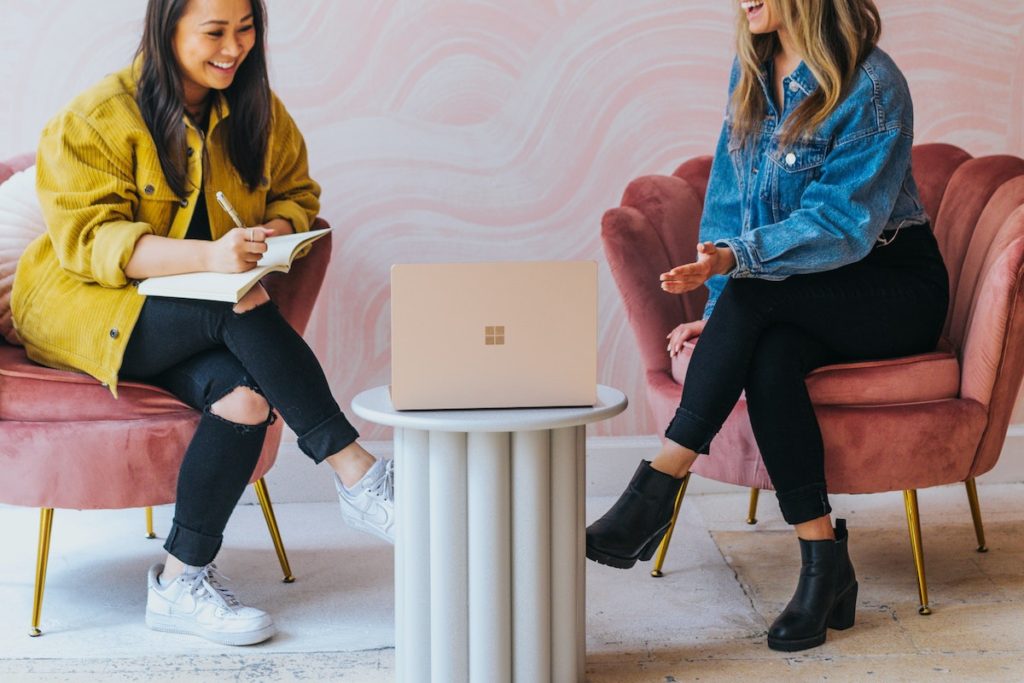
(909, 379)
(32, 393)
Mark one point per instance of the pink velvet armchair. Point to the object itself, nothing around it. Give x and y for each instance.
(902, 424)
(65, 442)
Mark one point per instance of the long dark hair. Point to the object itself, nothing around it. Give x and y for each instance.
(161, 97)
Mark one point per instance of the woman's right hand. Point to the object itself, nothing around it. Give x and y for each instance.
(683, 333)
(238, 250)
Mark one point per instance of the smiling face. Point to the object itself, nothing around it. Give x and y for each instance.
(210, 43)
(762, 16)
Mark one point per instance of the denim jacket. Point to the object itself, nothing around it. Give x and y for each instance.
(825, 200)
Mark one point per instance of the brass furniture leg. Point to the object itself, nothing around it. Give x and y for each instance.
(752, 510)
(914, 524)
(149, 523)
(42, 556)
(275, 534)
(659, 558)
(972, 498)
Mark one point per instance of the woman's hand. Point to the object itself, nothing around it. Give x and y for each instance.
(711, 260)
(683, 333)
(238, 250)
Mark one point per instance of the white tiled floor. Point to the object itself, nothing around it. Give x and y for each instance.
(705, 620)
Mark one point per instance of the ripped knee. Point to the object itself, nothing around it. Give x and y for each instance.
(243, 406)
(257, 296)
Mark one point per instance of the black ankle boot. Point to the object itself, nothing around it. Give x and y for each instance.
(633, 527)
(826, 596)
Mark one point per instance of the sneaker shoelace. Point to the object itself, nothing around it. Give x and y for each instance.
(208, 582)
(384, 486)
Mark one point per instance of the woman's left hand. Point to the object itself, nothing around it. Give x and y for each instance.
(711, 260)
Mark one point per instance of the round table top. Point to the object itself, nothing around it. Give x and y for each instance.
(375, 405)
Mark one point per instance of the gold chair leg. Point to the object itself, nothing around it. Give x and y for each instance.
(752, 510)
(149, 523)
(42, 556)
(972, 498)
(914, 524)
(659, 557)
(275, 534)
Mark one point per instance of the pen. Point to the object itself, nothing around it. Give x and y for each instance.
(226, 205)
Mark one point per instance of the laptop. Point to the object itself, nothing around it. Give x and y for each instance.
(493, 335)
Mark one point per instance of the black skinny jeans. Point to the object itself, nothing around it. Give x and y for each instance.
(764, 337)
(201, 351)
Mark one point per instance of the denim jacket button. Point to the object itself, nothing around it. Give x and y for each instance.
(790, 159)
(793, 86)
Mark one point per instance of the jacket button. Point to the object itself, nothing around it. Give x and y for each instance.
(149, 189)
(114, 334)
(790, 159)
(184, 203)
(793, 86)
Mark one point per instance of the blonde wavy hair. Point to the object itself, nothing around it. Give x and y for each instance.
(833, 36)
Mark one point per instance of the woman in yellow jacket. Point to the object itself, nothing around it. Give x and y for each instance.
(125, 174)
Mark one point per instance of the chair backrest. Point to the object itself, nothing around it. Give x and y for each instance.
(295, 293)
(979, 225)
(981, 230)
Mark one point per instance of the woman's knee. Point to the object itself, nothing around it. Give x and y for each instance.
(242, 406)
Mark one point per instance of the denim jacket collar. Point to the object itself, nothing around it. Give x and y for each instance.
(802, 79)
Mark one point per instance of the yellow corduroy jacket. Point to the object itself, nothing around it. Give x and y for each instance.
(101, 188)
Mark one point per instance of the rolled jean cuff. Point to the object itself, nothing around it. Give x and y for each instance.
(328, 437)
(192, 547)
(804, 504)
(691, 431)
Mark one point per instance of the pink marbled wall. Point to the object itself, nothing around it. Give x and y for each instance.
(447, 130)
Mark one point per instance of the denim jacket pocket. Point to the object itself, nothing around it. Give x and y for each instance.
(795, 167)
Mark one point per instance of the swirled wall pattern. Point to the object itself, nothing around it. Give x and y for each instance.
(485, 129)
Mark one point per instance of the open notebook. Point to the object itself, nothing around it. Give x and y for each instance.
(281, 251)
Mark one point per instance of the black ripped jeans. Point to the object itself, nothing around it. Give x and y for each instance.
(201, 351)
(765, 336)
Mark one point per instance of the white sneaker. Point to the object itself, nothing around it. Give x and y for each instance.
(370, 505)
(199, 605)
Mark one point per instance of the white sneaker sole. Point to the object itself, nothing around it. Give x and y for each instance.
(172, 624)
(366, 527)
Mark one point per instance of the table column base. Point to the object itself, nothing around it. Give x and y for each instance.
(489, 563)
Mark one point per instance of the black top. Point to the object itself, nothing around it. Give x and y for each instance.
(199, 228)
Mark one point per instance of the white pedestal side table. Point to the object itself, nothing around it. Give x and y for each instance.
(489, 556)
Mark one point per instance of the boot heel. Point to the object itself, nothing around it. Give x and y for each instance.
(845, 610)
(652, 545)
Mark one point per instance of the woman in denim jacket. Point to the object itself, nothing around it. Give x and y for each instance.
(815, 250)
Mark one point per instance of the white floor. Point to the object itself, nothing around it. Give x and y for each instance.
(709, 613)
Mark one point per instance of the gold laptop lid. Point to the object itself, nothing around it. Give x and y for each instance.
(493, 335)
